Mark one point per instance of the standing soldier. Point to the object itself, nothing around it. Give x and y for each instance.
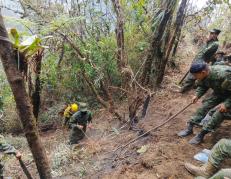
(219, 153)
(204, 55)
(7, 149)
(68, 112)
(218, 78)
(79, 123)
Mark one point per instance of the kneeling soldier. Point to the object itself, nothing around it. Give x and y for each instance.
(220, 152)
(78, 123)
(218, 78)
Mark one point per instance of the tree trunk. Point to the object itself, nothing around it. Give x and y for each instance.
(17, 85)
(176, 44)
(178, 33)
(35, 96)
(122, 62)
(135, 98)
(154, 66)
(177, 27)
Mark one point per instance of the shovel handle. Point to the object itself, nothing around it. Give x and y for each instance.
(182, 79)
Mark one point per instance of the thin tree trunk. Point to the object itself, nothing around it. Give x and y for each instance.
(154, 66)
(178, 24)
(134, 99)
(35, 97)
(17, 85)
(178, 36)
(176, 44)
(122, 62)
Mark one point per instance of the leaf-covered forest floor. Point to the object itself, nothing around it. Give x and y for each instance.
(163, 153)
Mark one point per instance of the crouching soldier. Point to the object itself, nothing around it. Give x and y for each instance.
(217, 78)
(7, 149)
(79, 123)
(220, 152)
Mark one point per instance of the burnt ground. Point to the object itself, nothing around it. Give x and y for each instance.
(97, 157)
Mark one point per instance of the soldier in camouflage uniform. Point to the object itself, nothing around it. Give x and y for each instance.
(219, 152)
(219, 56)
(218, 78)
(79, 123)
(204, 55)
(6, 149)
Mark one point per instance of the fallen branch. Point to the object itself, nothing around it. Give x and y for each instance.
(165, 122)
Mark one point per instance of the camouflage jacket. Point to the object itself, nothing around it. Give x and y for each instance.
(207, 51)
(81, 118)
(6, 148)
(219, 80)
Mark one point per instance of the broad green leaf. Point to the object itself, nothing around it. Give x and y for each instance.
(29, 40)
(14, 34)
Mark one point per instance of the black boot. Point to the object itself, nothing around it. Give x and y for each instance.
(198, 138)
(187, 131)
(183, 90)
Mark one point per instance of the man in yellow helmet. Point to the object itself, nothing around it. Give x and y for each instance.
(69, 111)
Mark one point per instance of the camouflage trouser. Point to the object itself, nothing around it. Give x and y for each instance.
(217, 117)
(66, 122)
(220, 151)
(1, 170)
(189, 82)
(76, 135)
(221, 174)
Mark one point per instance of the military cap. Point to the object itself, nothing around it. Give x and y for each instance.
(83, 106)
(197, 67)
(216, 31)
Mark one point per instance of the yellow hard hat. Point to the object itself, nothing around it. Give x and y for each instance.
(74, 107)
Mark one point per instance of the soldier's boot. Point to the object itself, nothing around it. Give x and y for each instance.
(184, 89)
(198, 138)
(207, 170)
(187, 131)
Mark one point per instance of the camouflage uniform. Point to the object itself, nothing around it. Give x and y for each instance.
(6, 149)
(204, 55)
(221, 151)
(79, 118)
(219, 79)
(221, 174)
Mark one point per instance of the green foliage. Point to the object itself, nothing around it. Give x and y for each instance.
(91, 27)
(61, 22)
(222, 21)
(49, 74)
(28, 46)
(5, 92)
